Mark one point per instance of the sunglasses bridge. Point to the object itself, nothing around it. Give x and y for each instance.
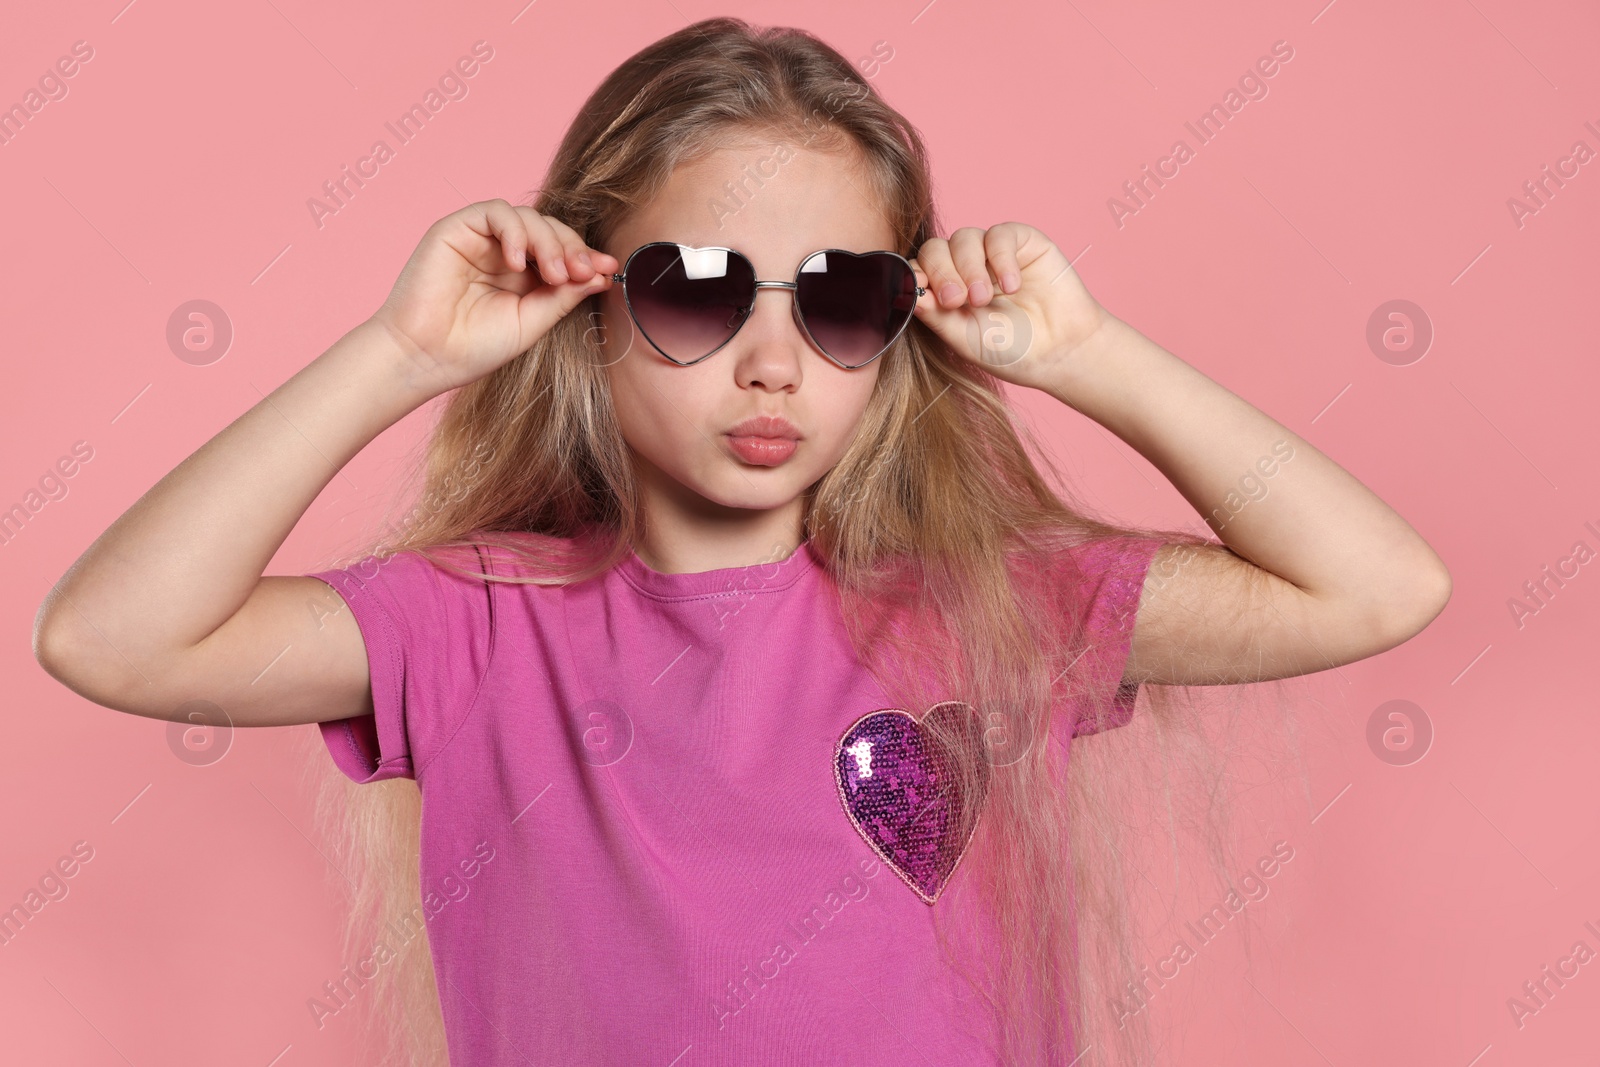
(791, 286)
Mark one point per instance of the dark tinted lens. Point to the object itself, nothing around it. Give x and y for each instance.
(855, 305)
(689, 301)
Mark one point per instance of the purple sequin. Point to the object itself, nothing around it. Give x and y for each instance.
(900, 790)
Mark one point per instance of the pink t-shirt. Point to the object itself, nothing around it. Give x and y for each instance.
(635, 848)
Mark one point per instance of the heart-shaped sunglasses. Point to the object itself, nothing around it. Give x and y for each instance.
(688, 302)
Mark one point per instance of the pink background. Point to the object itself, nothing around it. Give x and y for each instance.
(1378, 167)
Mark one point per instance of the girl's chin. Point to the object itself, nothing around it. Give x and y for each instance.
(750, 501)
(755, 488)
(731, 483)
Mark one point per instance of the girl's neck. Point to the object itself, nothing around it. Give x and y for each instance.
(685, 533)
(691, 548)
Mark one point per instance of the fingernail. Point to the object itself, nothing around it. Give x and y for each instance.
(951, 293)
(980, 292)
(583, 257)
(1011, 282)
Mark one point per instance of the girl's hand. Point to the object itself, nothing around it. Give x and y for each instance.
(468, 300)
(1013, 303)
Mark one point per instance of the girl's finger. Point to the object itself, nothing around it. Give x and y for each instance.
(971, 261)
(544, 249)
(506, 227)
(583, 262)
(921, 275)
(1001, 243)
(943, 280)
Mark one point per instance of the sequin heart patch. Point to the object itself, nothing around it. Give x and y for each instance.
(897, 780)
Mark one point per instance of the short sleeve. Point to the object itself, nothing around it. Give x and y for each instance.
(1108, 577)
(428, 634)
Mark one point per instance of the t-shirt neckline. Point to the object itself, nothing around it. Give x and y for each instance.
(754, 578)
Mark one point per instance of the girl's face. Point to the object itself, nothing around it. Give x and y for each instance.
(676, 419)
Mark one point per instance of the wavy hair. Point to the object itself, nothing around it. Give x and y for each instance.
(935, 526)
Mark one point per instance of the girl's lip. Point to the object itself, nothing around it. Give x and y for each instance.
(768, 426)
(762, 451)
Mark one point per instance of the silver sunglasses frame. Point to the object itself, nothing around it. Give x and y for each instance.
(794, 305)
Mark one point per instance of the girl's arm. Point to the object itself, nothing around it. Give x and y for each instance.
(1314, 571)
(1317, 571)
(170, 605)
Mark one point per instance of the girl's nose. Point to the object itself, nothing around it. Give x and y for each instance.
(772, 342)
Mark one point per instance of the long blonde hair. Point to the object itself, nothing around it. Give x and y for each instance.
(934, 526)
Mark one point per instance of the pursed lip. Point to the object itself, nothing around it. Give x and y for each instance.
(766, 426)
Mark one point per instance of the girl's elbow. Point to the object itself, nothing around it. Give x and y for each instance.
(1412, 613)
(1436, 593)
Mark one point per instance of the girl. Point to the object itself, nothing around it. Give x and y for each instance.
(737, 645)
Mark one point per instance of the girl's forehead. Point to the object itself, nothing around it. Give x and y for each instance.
(775, 217)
